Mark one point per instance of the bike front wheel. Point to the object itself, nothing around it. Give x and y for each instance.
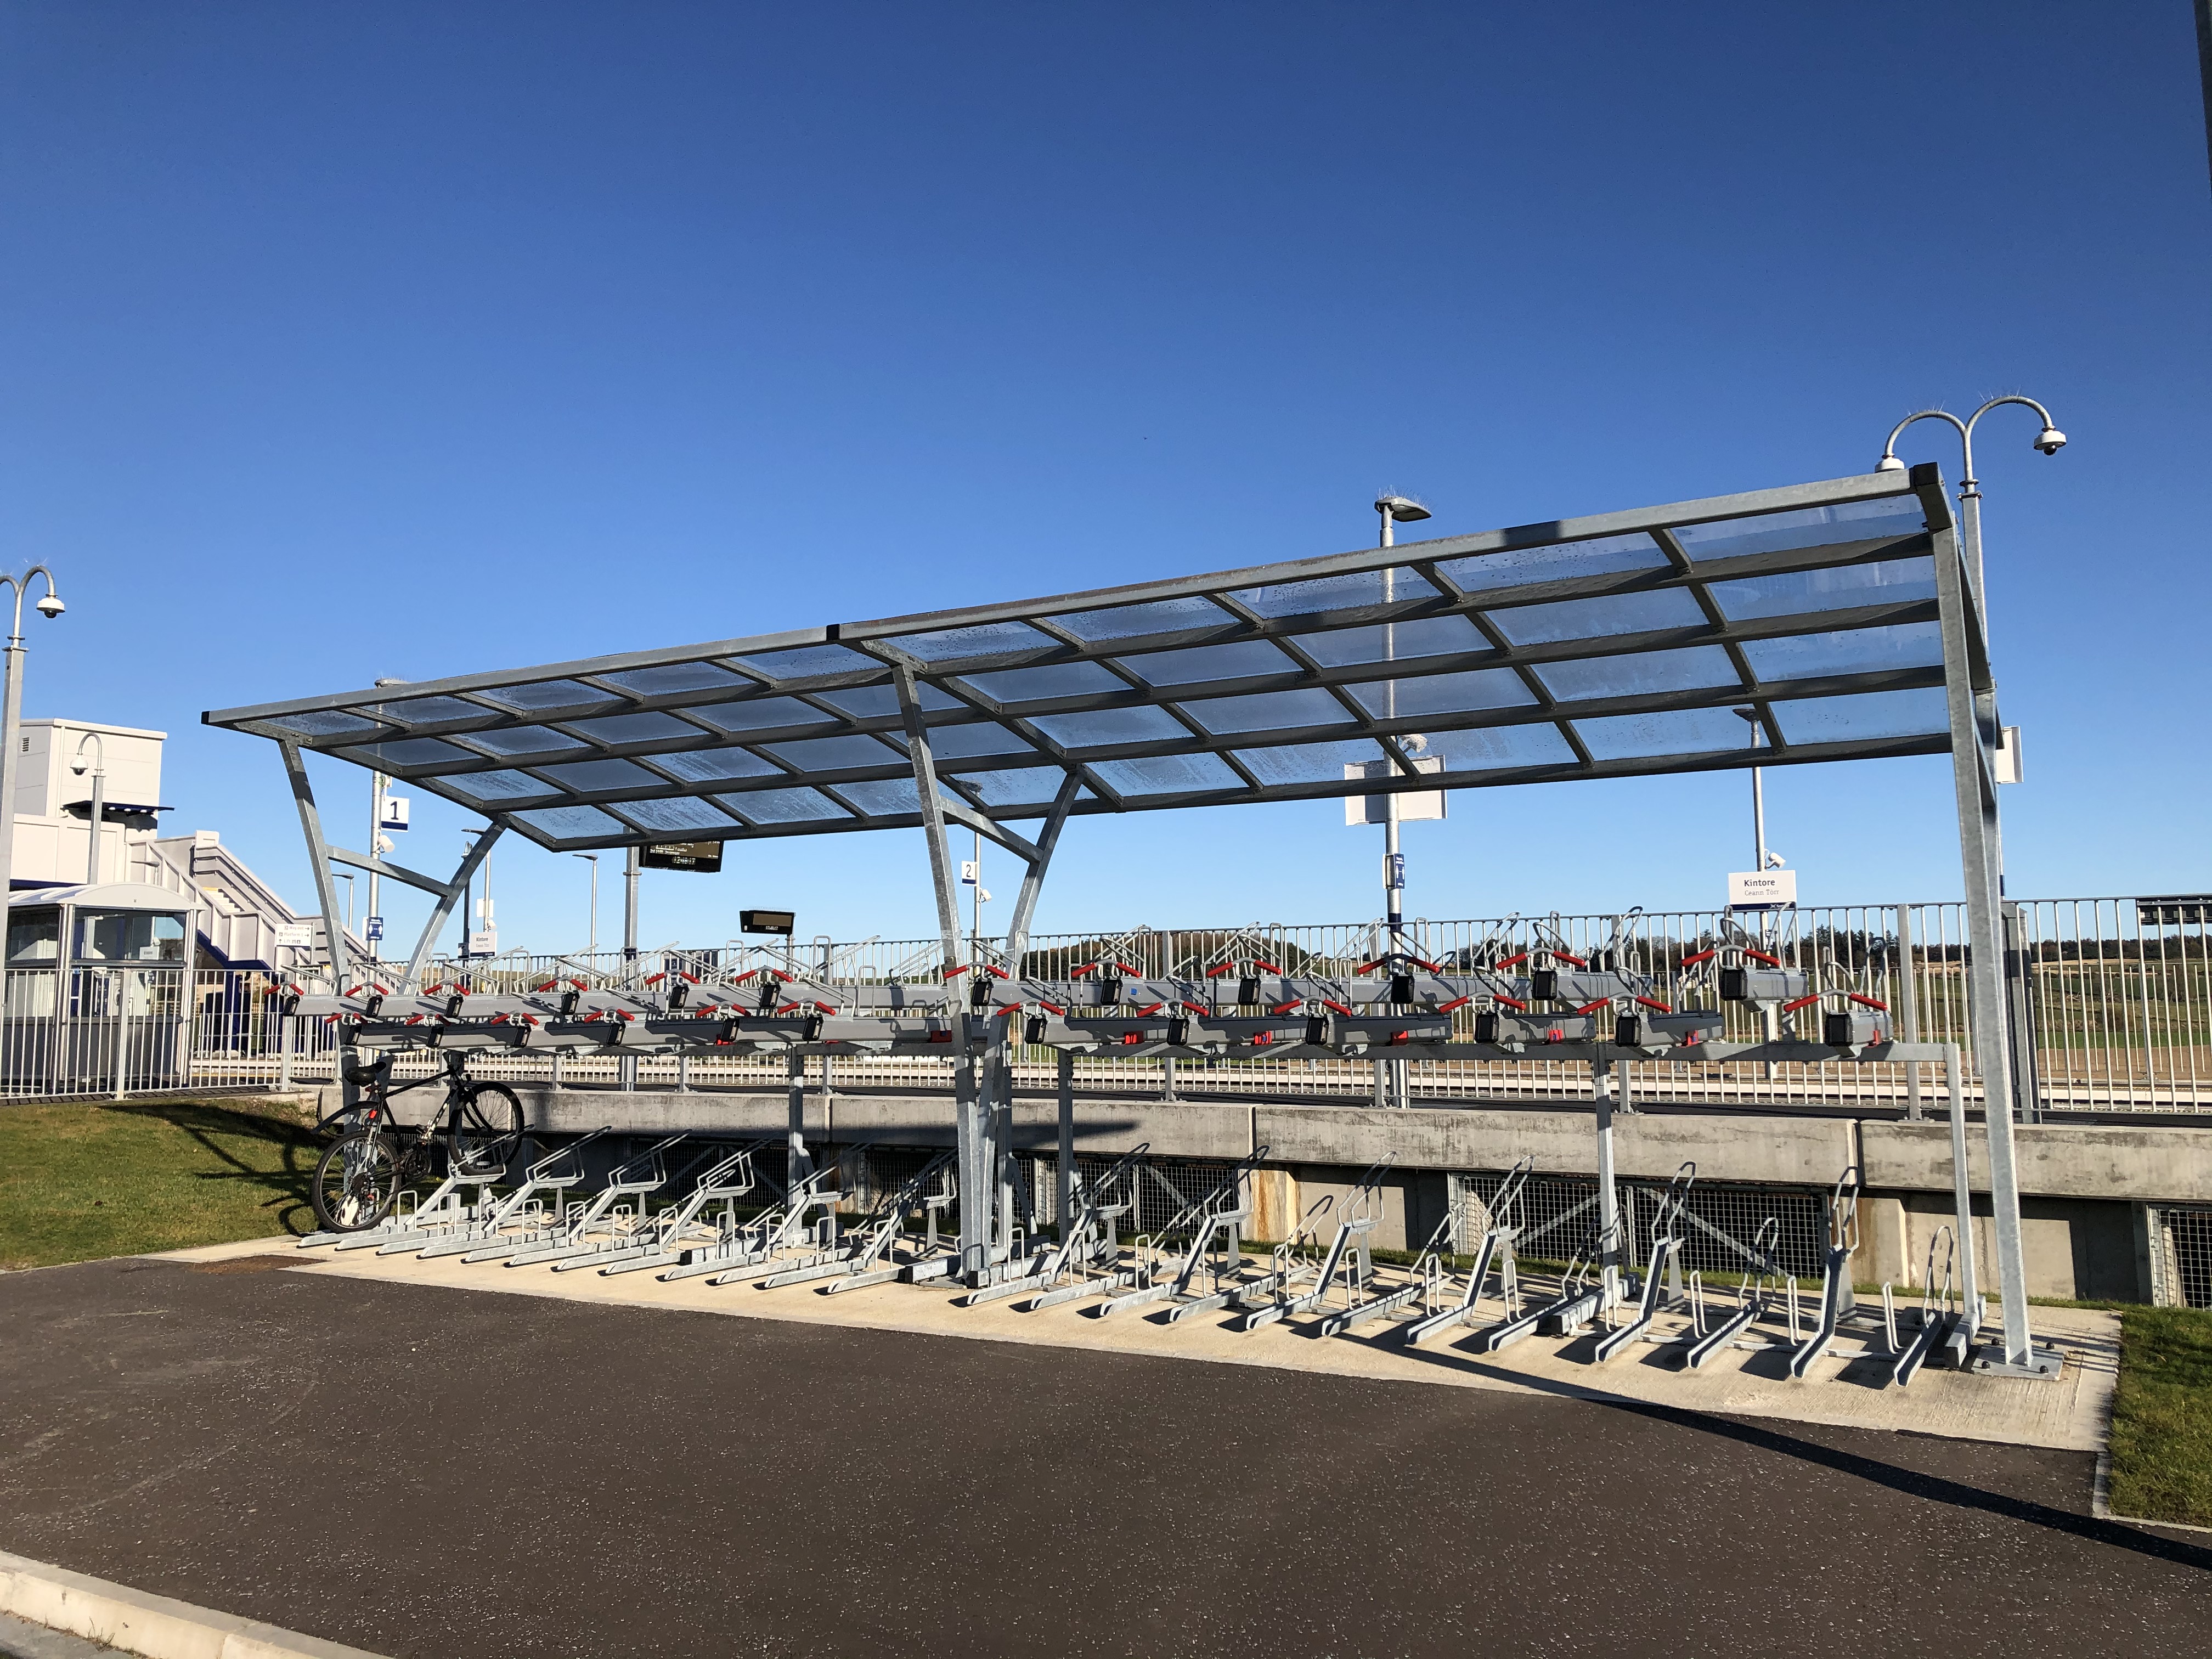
(487, 1130)
(357, 1181)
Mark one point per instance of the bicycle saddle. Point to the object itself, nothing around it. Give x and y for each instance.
(365, 1075)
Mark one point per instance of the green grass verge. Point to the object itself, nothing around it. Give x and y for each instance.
(2162, 1417)
(80, 1179)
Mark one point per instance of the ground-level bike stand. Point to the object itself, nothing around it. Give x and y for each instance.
(1089, 1237)
(523, 1216)
(1495, 1249)
(1348, 1256)
(1663, 1275)
(613, 1219)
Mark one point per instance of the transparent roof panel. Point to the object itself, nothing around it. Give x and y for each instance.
(882, 702)
(675, 678)
(810, 662)
(407, 752)
(1308, 762)
(1855, 651)
(837, 754)
(1272, 711)
(499, 786)
(1865, 717)
(1423, 636)
(1463, 693)
(711, 765)
(1169, 774)
(1101, 728)
(1356, 591)
(679, 815)
(1348, 645)
(1816, 526)
(594, 776)
(1047, 682)
(1130, 622)
(1640, 675)
(1520, 566)
(783, 805)
(1020, 786)
(634, 728)
(541, 695)
(956, 743)
(1671, 731)
(762, 715)
(1232, 661)
(1495, 748)
(1595, 618)
(431, 711)
(1886, 581)
(322, 723)
(883, 800)
(574, 822)
(982, 640)
(518, 740)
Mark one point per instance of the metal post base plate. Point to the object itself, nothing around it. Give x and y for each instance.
(2043, 1363)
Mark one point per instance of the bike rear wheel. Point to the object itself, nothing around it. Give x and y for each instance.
(357, 1181)
(487, 1130)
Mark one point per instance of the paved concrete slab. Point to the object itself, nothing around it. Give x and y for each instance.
(2070, 1413)
(428, 1474)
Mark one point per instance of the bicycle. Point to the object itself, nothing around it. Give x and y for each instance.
(357, 1183)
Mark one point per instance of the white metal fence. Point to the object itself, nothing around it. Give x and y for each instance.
(2116, 992)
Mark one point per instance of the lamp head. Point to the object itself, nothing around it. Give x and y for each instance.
(2050, 440)
(52, 606)
(1400, 508)
(1889, 463)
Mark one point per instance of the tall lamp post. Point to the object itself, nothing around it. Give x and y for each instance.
(99, 764)
(593, 859)
(2049, 441)
(11, 716)
(1390, 1088)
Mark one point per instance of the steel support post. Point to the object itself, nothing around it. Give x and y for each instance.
(1063, 1188)
(1966, 672)
(796, 1164)
(326, 895)
(971, 1165)
(1962, 1185)
(1608, 1200)
(1908, 1005)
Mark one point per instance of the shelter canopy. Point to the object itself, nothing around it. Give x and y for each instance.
(1608, 646)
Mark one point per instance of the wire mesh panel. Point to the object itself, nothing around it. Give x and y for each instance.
(1559, 1217)
(2180, 1256)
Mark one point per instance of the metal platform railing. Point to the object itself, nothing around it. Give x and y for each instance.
(2116, 991)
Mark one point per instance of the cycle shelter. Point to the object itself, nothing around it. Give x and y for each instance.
(1841, 613)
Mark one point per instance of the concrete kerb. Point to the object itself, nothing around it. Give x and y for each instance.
(156, 1626)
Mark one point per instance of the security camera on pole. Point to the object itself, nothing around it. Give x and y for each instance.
(1390, 1079)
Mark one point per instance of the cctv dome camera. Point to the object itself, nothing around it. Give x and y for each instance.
(50, 606)
(2051, 442)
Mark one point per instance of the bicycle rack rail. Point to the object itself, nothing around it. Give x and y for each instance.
(1495, 1249)
(1664, 1268)
(1216, 1247)
(929, 1189)
(736, 1249)
(659, 1239)
(447, 1207)
(1753, 1299)
(1089, 1238)
(522, 1217)
(1938, 1311)
(613, 1217)
(1347, 1254)
(1836, 1298)
(1426, 1285)
(1579, 1301)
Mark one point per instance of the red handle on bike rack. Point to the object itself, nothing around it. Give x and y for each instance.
(1339, 1007)
(1284, 1007)
(1648, 1003)
(1702, 955)
(1456, 1002)
(1801, 1002)
(1761, 955)
(1868, 1002)
(1510, 961)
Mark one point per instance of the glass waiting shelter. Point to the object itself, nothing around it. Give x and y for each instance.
(95, 993)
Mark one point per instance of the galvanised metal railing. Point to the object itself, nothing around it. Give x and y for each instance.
(2117, 992)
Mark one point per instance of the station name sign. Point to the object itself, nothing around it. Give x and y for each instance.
(1761, 890)
(703, 856)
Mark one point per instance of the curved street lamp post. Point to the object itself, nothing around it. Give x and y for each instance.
(11, 715)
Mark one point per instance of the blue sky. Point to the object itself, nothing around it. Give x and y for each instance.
(343, 341)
